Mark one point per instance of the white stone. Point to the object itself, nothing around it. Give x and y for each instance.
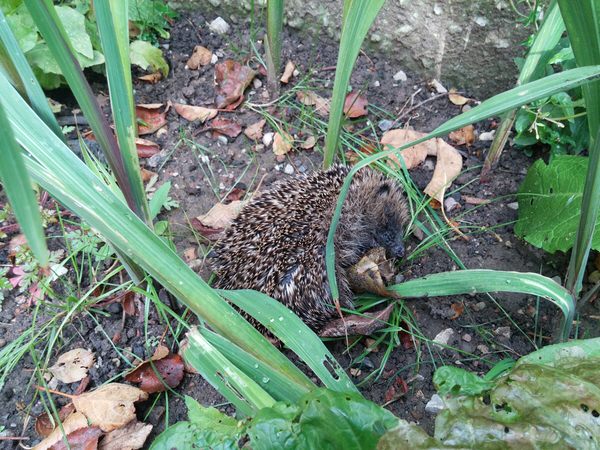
(481, 21)
(435, 405)
(450, 204)
(267, 138)
(219, 26)
(513, 205)
(443, 337)
(376, 83)
(213, 59)
(428, 164)
(467, 337)
(487, 135)
(256, 83)
(289, 169)
(400, 76)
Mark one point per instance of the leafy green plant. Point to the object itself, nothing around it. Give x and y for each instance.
(548, 399)
(151, 19)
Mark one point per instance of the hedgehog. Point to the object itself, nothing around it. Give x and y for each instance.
(276, 245)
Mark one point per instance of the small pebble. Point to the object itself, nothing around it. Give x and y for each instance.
(214, 58)
(257, 83)
(376, 83)
(385, 125)
(503, 332)
(289, 169)
(400, 76)
(479, 306)
(487, 135)
(467, 337)
(483, 349)
(399, 278)
(443, 337)
(268, 138)
(222, 139)
(513, 205)
(450, 204)
(219, 26)
(435, 405)
(2, 342)
(557, 279)
(428, 165)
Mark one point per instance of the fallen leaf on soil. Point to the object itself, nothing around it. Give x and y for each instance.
(74, 422)
(131, 437)
(16, 244)
(463, 136)
(311, 99)
(151, 78)
(150, 117)
(282, 143)
(161, 352)
(220, 216)
(437, 86)
(458, 309)
(146, 148)
(456, 98)
(474, 200)
(309, 143)
(288, 72)
(364, 325)
(355, 105)
(201, 56)
(231, 79)
(225, 127)
(396, 390)
(192, 113)
(367, 275)
(81, 439)
(189, 254)
(235, 194)
(170, 373)
(147, 175)
(405, 337)
(212, 234)
(73, 365)
(44, 424)
(255, 131)
(110, 406)
(448, 165)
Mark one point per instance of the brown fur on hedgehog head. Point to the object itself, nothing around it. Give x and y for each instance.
(374, 215)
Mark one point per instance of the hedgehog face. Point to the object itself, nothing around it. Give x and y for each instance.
(388, 211)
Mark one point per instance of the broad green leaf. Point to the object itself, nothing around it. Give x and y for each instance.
(9, 6)
(550, 203)
(74, 24)
(145, 55)
(19, 191)
(180, 435)
(159, 198)
(457, 381)
(24, 29)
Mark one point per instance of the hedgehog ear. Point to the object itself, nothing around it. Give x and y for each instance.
(384, 189)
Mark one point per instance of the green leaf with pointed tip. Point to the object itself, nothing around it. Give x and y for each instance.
(550, 203)
(74, 24)
(145, 55)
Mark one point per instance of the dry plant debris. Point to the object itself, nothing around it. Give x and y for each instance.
(201, 56)
(282, 143)
(355, 105)
(231, 79)
(152, 117)
(255, 131)
(193, 113)
(73, 365)
(288, 72)
(158, 374)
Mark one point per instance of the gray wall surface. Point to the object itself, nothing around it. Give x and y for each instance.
(468, 44)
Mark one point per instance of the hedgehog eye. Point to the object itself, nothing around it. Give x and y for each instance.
(384, 189)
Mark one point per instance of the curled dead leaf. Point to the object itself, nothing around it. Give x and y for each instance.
(282, 143)
(363, 325)
(83, 438)
(131, 437)
(156, 375)
(151, 78)
(44, 424)
(225, 127)
(463, 136)
(110, 406)
(456, 98)
(311, 99)
(146, 148)
(231, 79)
(255, 131)
(220, 216)
(309, 143)
(73, 365)
(201, 56)
(151, 117)
(355, 105)
(193, 113)
(288, 72)
(73, 422)
(368, 274)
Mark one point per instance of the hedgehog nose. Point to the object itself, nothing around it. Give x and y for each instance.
(398, 250)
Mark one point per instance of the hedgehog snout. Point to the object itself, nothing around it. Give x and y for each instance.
(392, 241)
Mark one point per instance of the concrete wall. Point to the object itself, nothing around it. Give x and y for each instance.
(463, 43)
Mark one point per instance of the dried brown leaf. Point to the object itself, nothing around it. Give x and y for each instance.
(367, 275)
(44, 424)
(81, 439)
(355, 105)
(161, 352)
(155, 376)
(201, 56)
(363, 325)
(192, 113)
(231, 79)
(255, 131)
(282, 143)
(309, 143)
(456, 98)
(146, 148)
(131, 437)
(74, 422)
(220, 216)
(152, 117)
(110, 406)
(225, 127)
(73, 365)
(288, 72)
(151, 78)
(463, 136)
(311, 99)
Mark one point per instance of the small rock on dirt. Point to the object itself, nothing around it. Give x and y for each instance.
(513, 205)
(443, 337)
(450, 204)
(435, 405)
(385, 124)
(268, 138)
(503, 332)
(219, 26)
(400, 76)
(479, 306)
(467, 337)
(289, 169)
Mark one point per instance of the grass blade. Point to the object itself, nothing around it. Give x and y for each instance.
(294, 333)
(358, 17)
(546, 39)
(47, 21)
(273, 43)
(488, 281)
(18, 188)
(112, 22)
(12, 55)
(582, 19)
(64, 176)
(494, 106)
(237, 387)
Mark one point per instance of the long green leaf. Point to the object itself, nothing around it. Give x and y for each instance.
(358, 17)
(19, 191)
(61, 173)
(111, 16)
(31, 88)
(533, 68)
(494, 106)
(582, 19)
(237, 387)
(488, 281)
(288, 327)
(273, 41)
(47, 21)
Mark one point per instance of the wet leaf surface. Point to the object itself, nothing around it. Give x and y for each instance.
(355, 105)
(155, 376)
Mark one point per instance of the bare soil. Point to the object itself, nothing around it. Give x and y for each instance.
(480, 334)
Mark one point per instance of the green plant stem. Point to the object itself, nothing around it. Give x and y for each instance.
(273, 43)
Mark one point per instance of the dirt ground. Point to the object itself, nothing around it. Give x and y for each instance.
(483, 333)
